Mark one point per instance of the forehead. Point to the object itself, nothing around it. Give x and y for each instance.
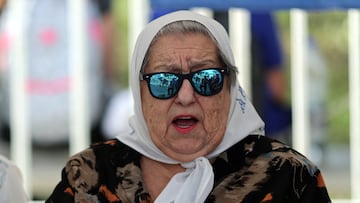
(179, 41)
(182, 47)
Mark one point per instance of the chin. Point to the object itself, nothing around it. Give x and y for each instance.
(187, 155)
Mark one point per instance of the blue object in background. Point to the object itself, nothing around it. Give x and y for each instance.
(256, 4)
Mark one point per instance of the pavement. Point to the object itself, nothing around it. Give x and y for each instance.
(48, 162)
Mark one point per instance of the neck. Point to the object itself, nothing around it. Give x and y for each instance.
(156, 175)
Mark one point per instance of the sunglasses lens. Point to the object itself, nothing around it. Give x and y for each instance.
(164, 85)
(207, 82)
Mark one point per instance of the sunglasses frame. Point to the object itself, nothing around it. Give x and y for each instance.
(182, 77)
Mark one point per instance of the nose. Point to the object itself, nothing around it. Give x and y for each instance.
(186, 94)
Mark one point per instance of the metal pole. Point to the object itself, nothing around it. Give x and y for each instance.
(300, 131)
(203, 11)
(354, 97)
(19, 114)
(138, 18)
(79, 116)
(239, 32)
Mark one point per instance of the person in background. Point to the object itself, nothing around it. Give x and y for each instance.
(268, 79)
(11, 183)
(48, 82)
(108, 65)
(189, 145)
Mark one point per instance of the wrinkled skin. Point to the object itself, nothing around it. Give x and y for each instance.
(187, 125)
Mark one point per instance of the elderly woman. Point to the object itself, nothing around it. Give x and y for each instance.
(195, 135)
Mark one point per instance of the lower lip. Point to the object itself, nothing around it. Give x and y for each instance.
(184, 130)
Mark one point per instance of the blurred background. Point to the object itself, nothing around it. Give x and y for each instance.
(329, 100)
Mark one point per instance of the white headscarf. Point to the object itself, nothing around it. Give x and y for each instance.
(196, 183)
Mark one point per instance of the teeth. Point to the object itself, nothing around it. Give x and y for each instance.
(185, 117)
(183, 126)
(185, 121)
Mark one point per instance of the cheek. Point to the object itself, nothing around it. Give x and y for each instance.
(216, 115)
(151, 110)
(156, 124)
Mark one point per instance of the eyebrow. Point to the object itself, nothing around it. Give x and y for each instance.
(165, 66)
(169, 66)
(209, 62)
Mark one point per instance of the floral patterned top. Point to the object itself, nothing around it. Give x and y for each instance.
(257, 169)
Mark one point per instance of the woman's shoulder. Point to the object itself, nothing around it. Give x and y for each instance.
(102, 159)
(106, 153)
(260, 148)
(97, 173)
(262, 169)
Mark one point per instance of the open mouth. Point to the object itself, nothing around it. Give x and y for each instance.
(185, 121)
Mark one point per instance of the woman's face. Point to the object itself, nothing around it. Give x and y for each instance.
(187, 125)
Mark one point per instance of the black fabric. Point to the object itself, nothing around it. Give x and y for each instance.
(257, 169)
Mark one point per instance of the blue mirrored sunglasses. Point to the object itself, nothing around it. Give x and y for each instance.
(206, 82)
